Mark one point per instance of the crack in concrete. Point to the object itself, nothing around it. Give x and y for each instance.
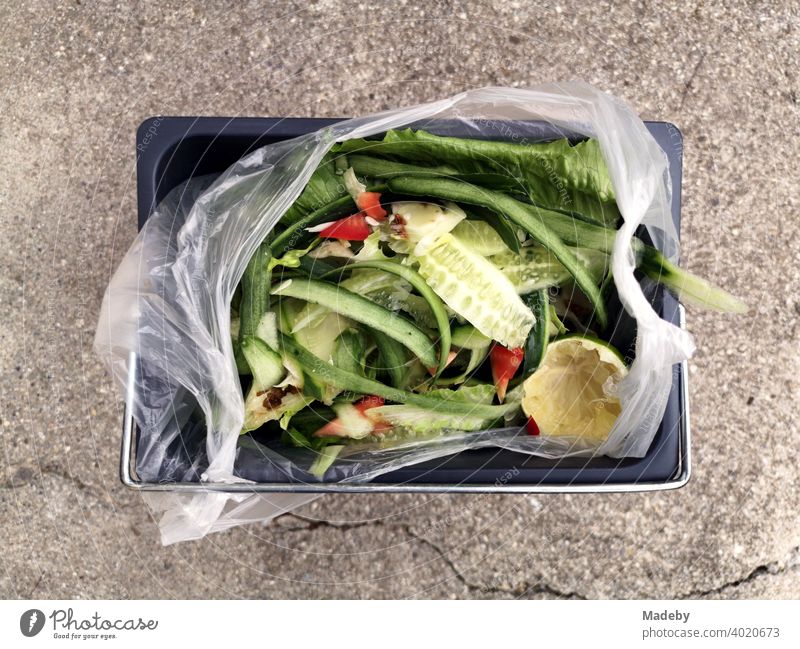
(539, 587)
(27, 476)
(767, 569)
(687, 86)
(35, 586)
(526, 588)
(312, 524)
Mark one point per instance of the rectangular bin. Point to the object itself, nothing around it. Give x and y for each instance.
(173, 149)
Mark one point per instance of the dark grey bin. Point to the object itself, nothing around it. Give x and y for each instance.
(172, 149)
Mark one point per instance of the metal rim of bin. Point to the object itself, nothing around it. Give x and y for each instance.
(128, 478)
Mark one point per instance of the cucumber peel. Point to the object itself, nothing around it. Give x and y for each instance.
(468, 337)
(476, 290)
(348, 381)
(255, 292)
(327, 456)
(265, 364)
(525, 216)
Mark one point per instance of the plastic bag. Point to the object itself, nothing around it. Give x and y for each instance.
(168, 305)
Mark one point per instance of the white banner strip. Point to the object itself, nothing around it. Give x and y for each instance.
(402, 624)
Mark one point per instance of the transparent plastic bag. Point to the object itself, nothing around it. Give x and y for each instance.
(168, 306)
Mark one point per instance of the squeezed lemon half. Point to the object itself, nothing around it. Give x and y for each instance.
(573, 392)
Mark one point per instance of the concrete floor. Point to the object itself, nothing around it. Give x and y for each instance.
(76, 81)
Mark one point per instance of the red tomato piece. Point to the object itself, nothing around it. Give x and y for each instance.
(365, 404)
(370, 204)
(505, 363)
(368, 402)
(450, 358)
(334, 428)
(352, 228)
(532, 427)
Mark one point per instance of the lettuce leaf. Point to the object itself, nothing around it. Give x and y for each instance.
(323, 188)
(554, 175)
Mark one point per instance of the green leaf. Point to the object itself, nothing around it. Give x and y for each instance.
(324, 187)
(382, 169)
(554, 175)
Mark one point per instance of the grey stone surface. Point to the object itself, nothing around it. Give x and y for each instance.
(75, 81)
